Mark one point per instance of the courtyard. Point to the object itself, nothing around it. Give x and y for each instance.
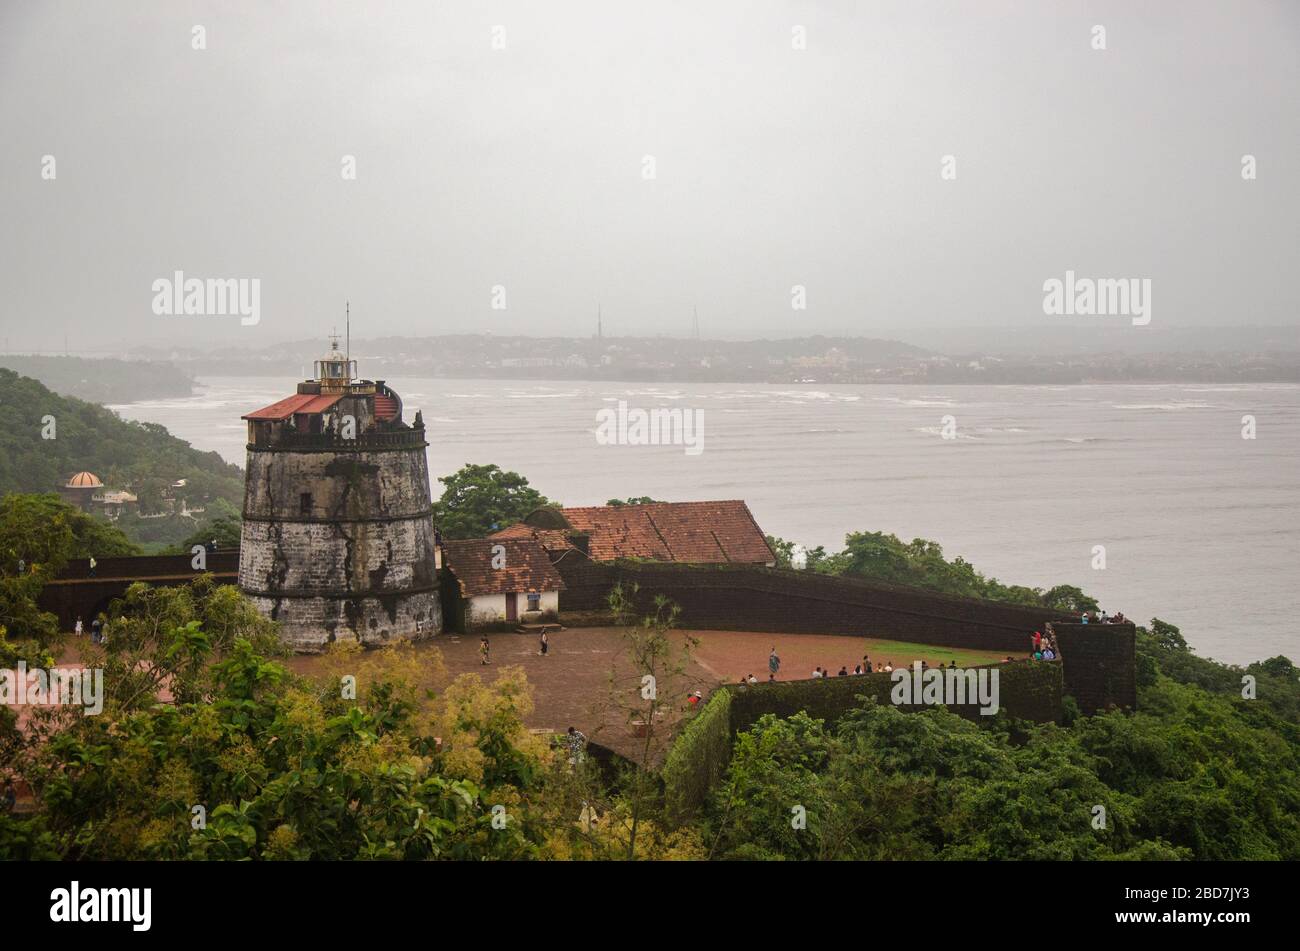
(587, 681)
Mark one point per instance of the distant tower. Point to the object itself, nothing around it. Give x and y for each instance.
(338, 539)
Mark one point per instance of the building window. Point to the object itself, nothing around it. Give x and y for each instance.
(534, 602)
(304, 503)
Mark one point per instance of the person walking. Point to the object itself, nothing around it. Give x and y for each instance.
(92, 565)
(545, 644)
(483, 648)
(773, 663)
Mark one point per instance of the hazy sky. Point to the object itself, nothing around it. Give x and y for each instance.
(523, 166)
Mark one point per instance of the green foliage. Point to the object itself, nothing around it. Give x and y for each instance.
(39, 534)
(920, 563)
(1162, 650)
(196, 714)
(1198, 772)
(659, 664)
(225, 531)
(46, 530)
(1030, 689)
(784, 551)
(480, 499)
(120, 452)
(633, 500)
(697, 758)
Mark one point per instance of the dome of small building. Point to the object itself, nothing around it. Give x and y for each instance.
(84, 480)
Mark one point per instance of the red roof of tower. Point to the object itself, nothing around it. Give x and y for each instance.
(298, 403)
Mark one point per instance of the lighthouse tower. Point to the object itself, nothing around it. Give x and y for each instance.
(338, 539)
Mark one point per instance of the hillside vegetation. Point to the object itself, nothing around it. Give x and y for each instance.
(143, 457)
(920, 563)
(103, 380)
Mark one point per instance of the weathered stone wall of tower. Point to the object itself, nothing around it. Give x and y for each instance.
(338, 542)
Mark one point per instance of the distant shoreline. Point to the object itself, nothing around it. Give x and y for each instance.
(517, 378)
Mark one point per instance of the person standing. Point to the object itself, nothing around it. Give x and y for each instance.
(77, 628)
(545, 644)
(483, 648)
(92, 565)
(577, 743)
(773, 663)
(94, 631)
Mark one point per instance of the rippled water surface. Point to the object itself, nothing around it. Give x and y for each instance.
(1199, 524)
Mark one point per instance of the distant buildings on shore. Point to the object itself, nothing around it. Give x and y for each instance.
(87, 492)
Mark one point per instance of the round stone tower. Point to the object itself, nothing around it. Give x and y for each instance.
(338, 539)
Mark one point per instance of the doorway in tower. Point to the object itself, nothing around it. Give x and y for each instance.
(512, 606)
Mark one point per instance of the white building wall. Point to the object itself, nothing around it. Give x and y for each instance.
(486, 608)
(489, 608)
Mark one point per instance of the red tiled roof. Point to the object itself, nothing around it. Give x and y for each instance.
(552, 539)
(526, 568)
(298, 403)
(698, 532)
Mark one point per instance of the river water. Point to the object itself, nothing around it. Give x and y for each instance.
(1198, 524)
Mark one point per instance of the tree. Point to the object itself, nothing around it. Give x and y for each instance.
(1066, 597)
(225, 530)
(921, 563)
(633, 500)
(240, 759)
(784, 551)
(44, 529)
(39, 535)
(652, 700)
(480, 499)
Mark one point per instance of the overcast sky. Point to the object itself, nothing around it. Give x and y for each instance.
(524, 166)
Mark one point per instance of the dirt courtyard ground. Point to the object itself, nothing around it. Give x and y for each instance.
(572, 684)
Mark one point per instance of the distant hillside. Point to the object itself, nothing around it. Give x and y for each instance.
(140, 456)
(678, 359)
(106, 380)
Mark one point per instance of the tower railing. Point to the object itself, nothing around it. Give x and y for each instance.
(396, 439)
